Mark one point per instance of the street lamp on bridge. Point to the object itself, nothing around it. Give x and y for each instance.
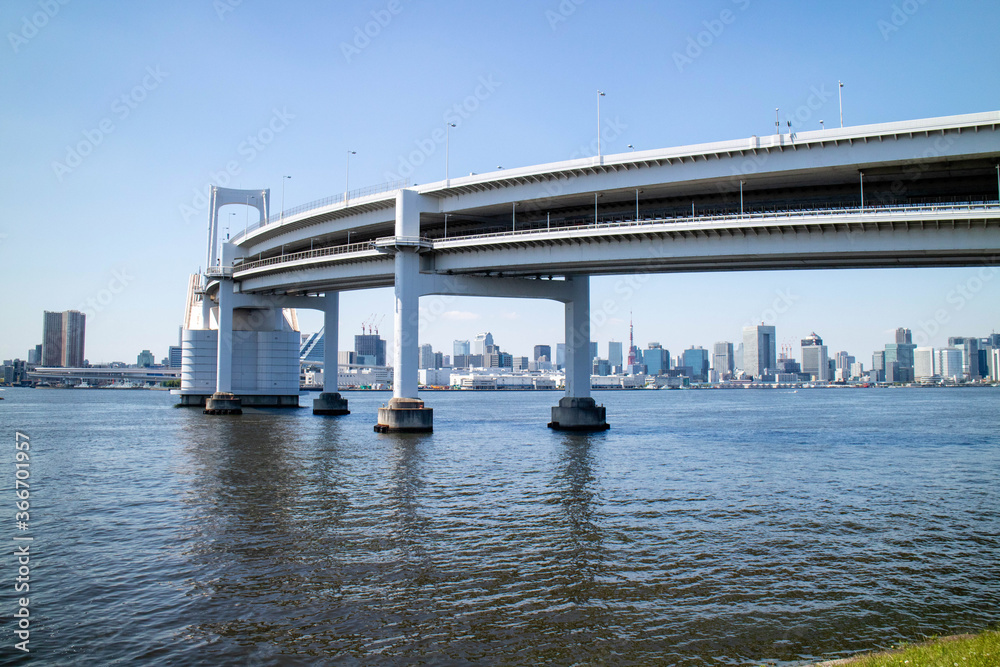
(447, 151)
(599, 96)
(347, 181)
(282, 216)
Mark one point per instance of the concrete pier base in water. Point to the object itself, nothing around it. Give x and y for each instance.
(223, 403)
(405, 415)
(330, 403)
(579, 414)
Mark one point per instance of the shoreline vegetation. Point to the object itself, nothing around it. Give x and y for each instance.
(967, 650)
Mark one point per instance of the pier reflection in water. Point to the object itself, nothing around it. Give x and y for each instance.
(703, 528)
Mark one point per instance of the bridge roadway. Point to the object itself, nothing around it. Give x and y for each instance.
(905, 194)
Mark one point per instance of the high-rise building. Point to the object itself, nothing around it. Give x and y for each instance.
(815, 361)
(760, 351)
(63, 336)
(722, 359)
(950, 362)
(593, 350)
(313, 346)
(543, 351)
(145, 359)
(35, 355)
(426, 357)
(481, 342)
(696, 358)
(174, 356)
(560, 355)
(844, 360)
(738, 357)
(924, 363)
(461, 348)
(993, 362)
(656, 359)
(370, 345)
(903, 336)
(615, 358)
(970, 355)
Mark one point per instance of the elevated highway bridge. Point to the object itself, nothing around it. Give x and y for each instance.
(907, 194)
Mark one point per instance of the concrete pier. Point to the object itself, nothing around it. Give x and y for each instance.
(330, 403)
(579, 413)
(405, 415)
(223, 403)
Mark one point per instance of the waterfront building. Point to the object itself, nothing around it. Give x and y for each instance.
(560, 355)
(656, 359)
(312, 347)
(994, 364)
(970, 355)
(815, 361)
(615, 357)
(950, 363)
(174, 356)
(904, 336)
(602, 367)
(63, 337)
(482, 342)
(426, 359)
(738, 358)
(696, 358)
(370, 345)
(843, 360)
(520, 363)
(857, 369)
(461, 348)
(145, 359)
(722, 359)
(924, 363)
(760, 353)
(347, 358)
(542, 351)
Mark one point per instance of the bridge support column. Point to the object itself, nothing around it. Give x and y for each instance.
(223, 402)
(577, 411)
(406, 412)
(330, 402)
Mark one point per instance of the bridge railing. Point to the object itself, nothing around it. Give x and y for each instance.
(358, 193)
(305, 254)
(617, 221)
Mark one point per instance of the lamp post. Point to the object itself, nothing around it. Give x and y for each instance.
(231, 214)
(777, 123)
(632, 147)
(840, 96)
(821, 125)
(637, 205)
(599, 96)
(347, 182)
(447, 151)
(246, 224)
(282, 217)
(862, 176)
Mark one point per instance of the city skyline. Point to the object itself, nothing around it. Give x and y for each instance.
(110, 151)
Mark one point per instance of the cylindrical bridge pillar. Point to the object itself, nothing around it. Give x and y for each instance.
(330, 402)
(577, 411)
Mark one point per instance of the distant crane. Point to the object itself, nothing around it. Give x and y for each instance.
(377, 324)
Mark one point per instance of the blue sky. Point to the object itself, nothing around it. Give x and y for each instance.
(162, 96)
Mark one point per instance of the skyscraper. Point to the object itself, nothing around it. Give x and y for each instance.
(696, 358)
(370, 345)
(543, 351)
(903, 336)
(950, 362)
(615, 353)
(63, 336)
(970, 355)
(481, 342)
(722, 359)
(814, 358)
(426, 357)
(657, 359)
(461, 348)
(924, 363)
(760, 353)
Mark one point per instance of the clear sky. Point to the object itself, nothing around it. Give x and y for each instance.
(116, 114)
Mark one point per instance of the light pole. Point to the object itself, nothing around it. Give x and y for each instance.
(821, 125)
(637, 205)
(231, 214)
(246, 224)
(632, 147)
(741, 200)
(347, 182)
(840, 95)
(446, 225)
(599, 96)
(862, 175)
(777, 123)
(513, 216)
(447, 151)
(282, 218)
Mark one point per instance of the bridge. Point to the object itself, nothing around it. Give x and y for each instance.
(905, 194)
